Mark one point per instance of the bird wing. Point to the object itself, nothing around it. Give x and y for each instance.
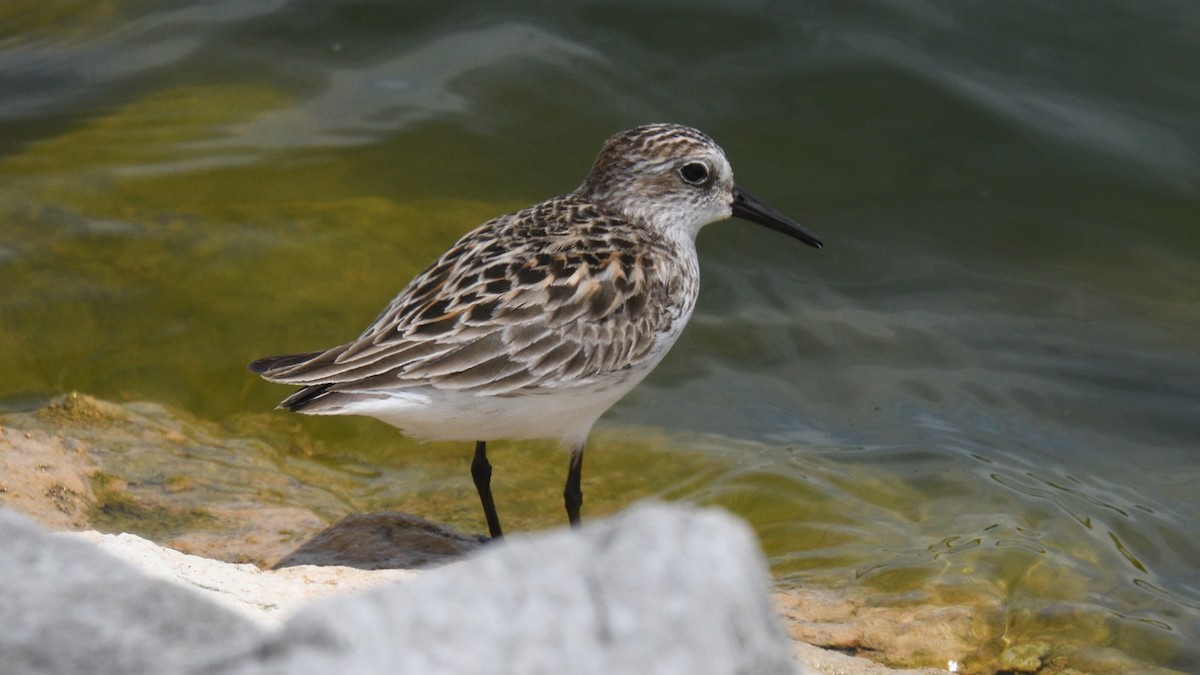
(558, 293)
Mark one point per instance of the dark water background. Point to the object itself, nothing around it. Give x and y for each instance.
(990, 375)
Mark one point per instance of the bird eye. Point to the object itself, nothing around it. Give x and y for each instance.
(694, 173)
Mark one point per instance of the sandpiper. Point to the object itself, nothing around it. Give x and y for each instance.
(536, 322)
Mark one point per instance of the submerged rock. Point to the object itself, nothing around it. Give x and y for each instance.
(894, 634)
(382, 540)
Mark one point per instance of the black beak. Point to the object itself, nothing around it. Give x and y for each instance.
(747, 207)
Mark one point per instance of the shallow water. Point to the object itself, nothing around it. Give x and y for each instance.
(990, 375)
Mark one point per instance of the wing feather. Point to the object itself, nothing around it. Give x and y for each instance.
(525, 300)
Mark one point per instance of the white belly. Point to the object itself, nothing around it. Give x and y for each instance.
(564, 413)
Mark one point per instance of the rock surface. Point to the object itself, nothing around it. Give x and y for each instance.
(655, 589)
(266, 597)
(82, 463)
(890, 633)
(67, 607)
(47, 479)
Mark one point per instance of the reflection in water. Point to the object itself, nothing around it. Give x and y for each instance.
(359, 103)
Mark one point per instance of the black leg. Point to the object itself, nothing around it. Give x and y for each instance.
(481, 472)
(573, 493)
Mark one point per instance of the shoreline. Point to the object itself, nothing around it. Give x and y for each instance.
(58, 466)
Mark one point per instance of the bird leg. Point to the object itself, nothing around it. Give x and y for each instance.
(481, 472)
(573, 493)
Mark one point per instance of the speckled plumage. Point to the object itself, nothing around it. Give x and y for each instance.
(557, 293)
(536, 322)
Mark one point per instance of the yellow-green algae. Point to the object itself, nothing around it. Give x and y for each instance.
(128, 259)
(117, 509)
(25, 20)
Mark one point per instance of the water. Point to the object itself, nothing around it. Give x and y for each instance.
(989, 375)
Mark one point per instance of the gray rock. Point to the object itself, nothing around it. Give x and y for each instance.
(656, 589)
(68, 607)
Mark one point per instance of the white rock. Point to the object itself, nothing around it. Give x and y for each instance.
(266, 596)
(67, 607)
(654, 590)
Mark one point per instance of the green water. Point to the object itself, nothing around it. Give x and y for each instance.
(990, 375)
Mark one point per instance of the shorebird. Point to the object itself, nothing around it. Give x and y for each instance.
(536, 322)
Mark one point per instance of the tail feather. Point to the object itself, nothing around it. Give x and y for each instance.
(266, 364)
(269, 366)
(300, 400)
